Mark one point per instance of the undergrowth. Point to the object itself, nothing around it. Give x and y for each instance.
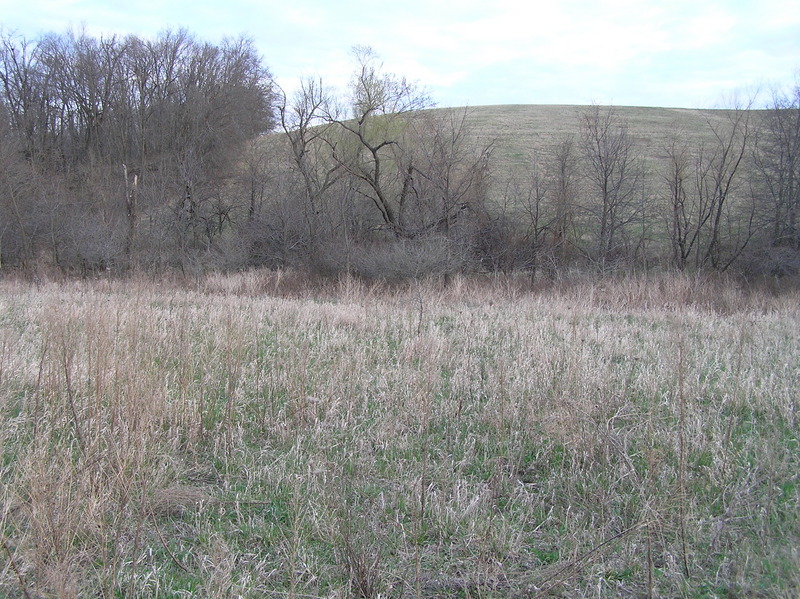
(241, 439)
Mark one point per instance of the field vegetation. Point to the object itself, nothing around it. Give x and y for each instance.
(263, 435)
(343, 343)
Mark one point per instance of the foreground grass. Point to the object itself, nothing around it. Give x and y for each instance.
(624, 439)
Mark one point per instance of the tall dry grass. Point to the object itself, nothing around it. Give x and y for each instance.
(255, 435)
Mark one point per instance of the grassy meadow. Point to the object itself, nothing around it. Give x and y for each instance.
(251, 436)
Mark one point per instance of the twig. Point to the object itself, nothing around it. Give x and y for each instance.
(419, 320)
(581, 558)
(67, 364)
(164, 543)
(682, 459)
(14, 567)
(649, 565)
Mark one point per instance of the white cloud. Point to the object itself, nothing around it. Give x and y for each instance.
(508, 51)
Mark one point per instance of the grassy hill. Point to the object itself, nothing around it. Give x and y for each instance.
(522, 132)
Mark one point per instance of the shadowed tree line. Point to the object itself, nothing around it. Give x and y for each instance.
(163, 153)
(116, 150)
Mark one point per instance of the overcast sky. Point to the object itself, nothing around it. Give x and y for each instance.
(681, 53)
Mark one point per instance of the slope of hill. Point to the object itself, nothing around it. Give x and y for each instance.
(524, 132)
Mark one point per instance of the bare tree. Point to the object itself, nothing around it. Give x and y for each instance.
(717, 170)
(372, 145)
(308, 122)
(539, 226)
(564, 169)
(777, 160)
(16, 198)
(407, 173)
(711, 218)
(683, 227)
(520, 226)
(446, 178)
(130, 126)
(446, 184)
(614, 172)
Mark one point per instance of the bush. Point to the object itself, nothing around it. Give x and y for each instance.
(396, 259)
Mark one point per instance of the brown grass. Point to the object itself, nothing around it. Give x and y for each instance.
(263, 434)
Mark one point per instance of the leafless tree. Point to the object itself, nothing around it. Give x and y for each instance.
(564, 169)
(614, 172)
(24, 94)
(16, 195)
(777, 159)
(372, 147)
(519, 228)
(130, 126)
(682, 215)
(407, 172)
(538, 209)
(717, 178)
(712, 214)
(308, 121)
(447, 173)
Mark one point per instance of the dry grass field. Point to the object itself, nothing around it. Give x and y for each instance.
(247, 436)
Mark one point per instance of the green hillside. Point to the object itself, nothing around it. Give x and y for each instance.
(524, 131)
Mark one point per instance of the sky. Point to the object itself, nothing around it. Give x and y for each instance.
(681, 53)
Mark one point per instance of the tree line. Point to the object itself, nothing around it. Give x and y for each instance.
(153, 154)
(116, 150)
